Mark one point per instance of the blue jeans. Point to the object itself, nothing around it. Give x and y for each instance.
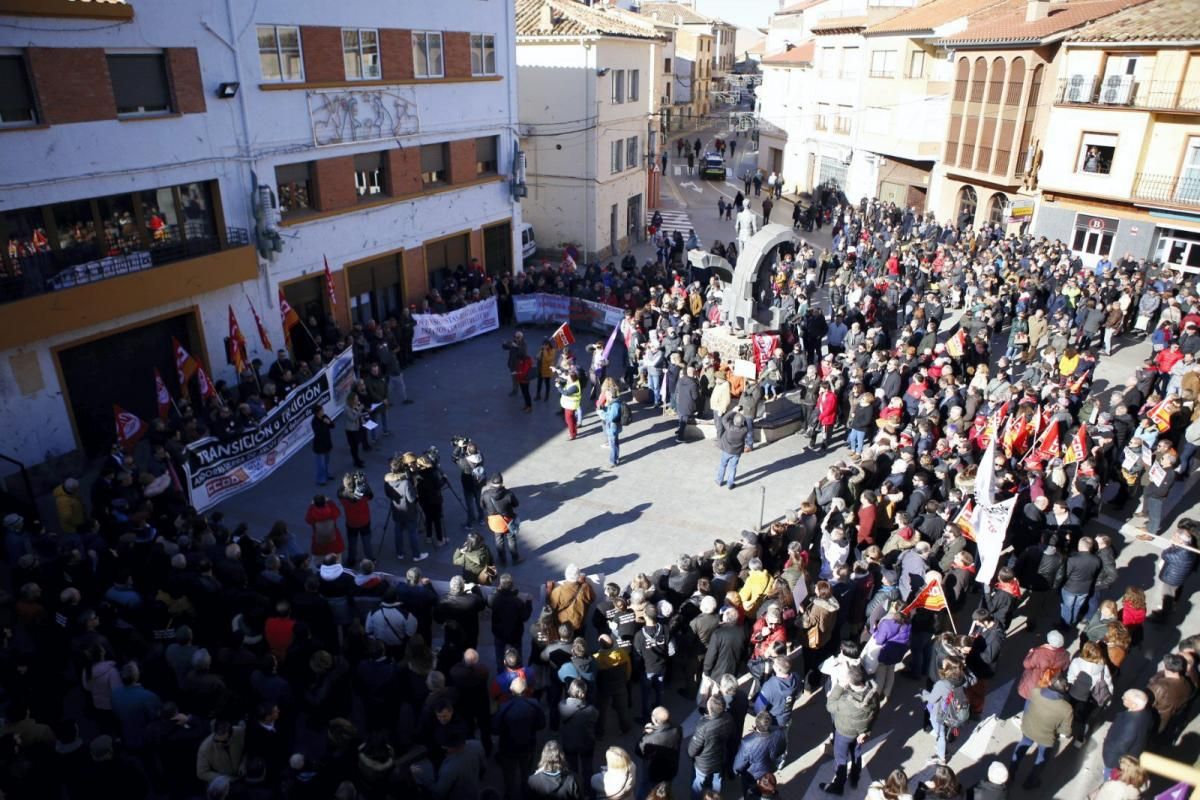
(506, 545)
(703, 780)
(652, 684)
(655, 382)
(322, 460)
(381, 419)
(1185, 457)
(939, 731)
(729, 463)
(845, 749)
(1072, 605)
(414, 540)
(857, 440)
(614, 446)
(1023, 748)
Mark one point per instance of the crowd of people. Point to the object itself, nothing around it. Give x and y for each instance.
(151, 650)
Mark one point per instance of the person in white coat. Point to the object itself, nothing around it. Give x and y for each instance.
(746, 226)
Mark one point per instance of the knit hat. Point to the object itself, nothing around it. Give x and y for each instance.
(1055, 639)
(997, 773)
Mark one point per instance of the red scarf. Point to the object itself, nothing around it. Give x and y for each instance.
(1012, 587)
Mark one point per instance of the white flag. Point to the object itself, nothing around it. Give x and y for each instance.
(991, 527)
(985, 477)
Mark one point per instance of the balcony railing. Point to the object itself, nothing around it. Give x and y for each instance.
(31, 273)
(1174, 190)
(1092, 90)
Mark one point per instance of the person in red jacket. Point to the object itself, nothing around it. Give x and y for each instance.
(522, 374)
(326, 537)
(355, 496)
(826, 413)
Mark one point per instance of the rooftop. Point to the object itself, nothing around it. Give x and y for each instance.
(1005, 23)
(1156, 20)
(929, 15)
(800, 54)
(798, 8)
(568, 18)
(687, 16)
(840, 23)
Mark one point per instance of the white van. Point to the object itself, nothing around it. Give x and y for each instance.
(528, 243)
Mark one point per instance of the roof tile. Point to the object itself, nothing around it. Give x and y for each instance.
(800, 54)
(1157, 20)
(570, 18)
(1009, 25)
(931, 14)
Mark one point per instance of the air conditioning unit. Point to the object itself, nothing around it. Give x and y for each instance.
(1079, 88)
(1117, 90)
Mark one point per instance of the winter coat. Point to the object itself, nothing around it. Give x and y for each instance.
(687, 397)
(759, 753)
(553, 786)
(659, 750)
(1047, 716)
(70, 509)
(731, 432)
(892, 636)
(510, 612)
(1037, 661)
(1170, 696)
(1084, 678)
(853, 710)
(820, 622)
(615, 784)
(1127, 735)
(726, 647)
(1082, 571)
(777, 696)
(577, 726)
(912, 574)
(709, 745)
(517, 724)
(213, 760)
(1177, 565)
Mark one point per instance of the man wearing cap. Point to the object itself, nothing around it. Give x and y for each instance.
(68, 504)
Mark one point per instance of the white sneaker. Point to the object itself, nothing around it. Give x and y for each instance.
(421, 557)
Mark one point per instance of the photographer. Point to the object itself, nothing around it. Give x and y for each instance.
(500, 504)
(516, 352)
(430, 480)
(355, 496)
(470, 462)
(405, 513)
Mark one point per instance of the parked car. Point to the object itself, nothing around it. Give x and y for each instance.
(528, 243)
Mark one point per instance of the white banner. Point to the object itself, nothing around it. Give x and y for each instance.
(435, 330)
(545, 309)
(215, 470)
(991, 527)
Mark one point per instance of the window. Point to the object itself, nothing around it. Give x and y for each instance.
(483, 54)
(485, 155)
(433, 164)
(667, 66)
(883, 63)
(368, 175)
(828, 62)
(997, 207)
(667, 89)
(635, 76)
(844, 116)
(1187, 188)
(16, 96)
(916, 64)
(631, 152)
(822, 116)
(279, 53)
(1096, 153)
(360, 51)
(295, 188)
(618, 153)
(196, 201)
(139, 83)
(1093, 235)
(850, 62)
(968, 202)
(618, 86)
(427, 55)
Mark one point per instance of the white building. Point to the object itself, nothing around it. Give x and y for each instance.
(588, 112)
(140, 131)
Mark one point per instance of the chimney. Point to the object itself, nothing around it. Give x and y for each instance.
(1036, 9)
(546, 18)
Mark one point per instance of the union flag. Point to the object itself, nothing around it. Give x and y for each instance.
(1078, 450)
(207, 389)
(161, 395)
(290, 319)
(237, 344)
(1160, 416)
(130, 428)
(963, 519)
(931, 598)
(329, 284)
(262, 331)
(185, 366)
(563, 337)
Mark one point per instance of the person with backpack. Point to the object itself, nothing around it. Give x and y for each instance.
(614, 416)
(1042, 663)
(323, 515)
(854, 705)
(1091, 688)
(500, 506)
(1047, 717)
(391, 624)
(947, 704)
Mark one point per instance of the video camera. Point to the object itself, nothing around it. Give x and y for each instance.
(359, 487)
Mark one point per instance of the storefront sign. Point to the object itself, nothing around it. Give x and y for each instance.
(435, 330)
(215, 470)
(1020, 210)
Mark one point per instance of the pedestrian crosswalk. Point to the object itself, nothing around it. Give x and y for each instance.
(672, 219)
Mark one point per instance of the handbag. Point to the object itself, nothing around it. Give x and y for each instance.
(498, 523)
(486, 576)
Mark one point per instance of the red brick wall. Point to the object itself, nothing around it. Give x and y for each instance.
(457, 53)
(462, 161)
(72, 84)
(403, 171)
(184, 67)
(395, 54)
(322, 48)
(334, 179)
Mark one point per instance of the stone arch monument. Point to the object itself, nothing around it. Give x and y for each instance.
(761, 251)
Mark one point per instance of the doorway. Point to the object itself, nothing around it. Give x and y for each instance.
(497, 249)
(612, 231)
(376, 290)
(119, 369)
(776, 156)
(633, 219)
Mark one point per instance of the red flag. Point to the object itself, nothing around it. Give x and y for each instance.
(563, 336)
(963, 520)
(130, 428)
(930, 598)
(1078, 450)
(185, 366)
(956, 345)
(262, 332)
(162, 395)
(1160, 416)
(206, 388)
(993, 425)
(329, 284)
(1016, 435)
(237, 344)
(290, 319)
(1046, 447)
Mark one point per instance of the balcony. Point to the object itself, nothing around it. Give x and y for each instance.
(1172, 190)
(1090, 90)
(40, 270)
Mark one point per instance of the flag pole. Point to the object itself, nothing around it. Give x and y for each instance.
(950, 614)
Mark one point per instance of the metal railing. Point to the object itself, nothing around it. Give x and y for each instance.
(46, 270)
(1096, 90)
(1172, 189)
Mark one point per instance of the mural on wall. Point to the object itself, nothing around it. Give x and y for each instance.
(362, 115)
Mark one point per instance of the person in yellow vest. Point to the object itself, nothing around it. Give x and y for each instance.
(571, 395)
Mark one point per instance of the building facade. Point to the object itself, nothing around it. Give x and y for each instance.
(139, 149)
(588, 114)
(1121, 175)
